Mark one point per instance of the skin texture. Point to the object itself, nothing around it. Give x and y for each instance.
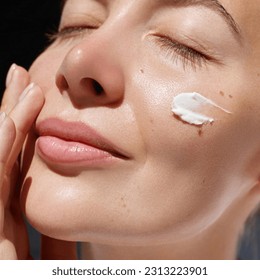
(185, 191)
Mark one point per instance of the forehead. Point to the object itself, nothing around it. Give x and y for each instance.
(247, 15)
(241, 8)
(245, 12)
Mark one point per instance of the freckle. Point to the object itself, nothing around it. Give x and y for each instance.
(222, 93)
(258, 74)
(230, 96)
(151, 121)
(142, 70)
(204, 180)
(200, 132)
(123, 202)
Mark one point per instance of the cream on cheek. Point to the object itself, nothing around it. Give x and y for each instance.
(187, 106)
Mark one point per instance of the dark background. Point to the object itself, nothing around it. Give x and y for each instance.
(23, 28)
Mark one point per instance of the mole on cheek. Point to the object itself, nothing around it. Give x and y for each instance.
(200, 132)
(223, 94)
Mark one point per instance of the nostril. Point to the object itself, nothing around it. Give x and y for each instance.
(93, 86)
(97, 88)
(62, 82)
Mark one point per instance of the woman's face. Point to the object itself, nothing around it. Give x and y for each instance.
(115, 68)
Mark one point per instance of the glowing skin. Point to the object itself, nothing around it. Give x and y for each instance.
(176, 195)
(187, 107)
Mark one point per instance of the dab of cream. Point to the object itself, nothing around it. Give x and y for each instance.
(187, 106)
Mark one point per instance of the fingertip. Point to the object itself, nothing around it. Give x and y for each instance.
(37, 91)
(17, 77)
(10, 74)
(31, 100)
(24, 76)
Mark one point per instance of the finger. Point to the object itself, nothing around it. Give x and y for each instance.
(23, 116)
(7, 134)
(10, 187)
(17, 79)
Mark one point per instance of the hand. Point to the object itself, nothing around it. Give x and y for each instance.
(21, 104)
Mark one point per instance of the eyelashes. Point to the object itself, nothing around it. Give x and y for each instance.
(173, 50)
(70, 32)
(188, 55)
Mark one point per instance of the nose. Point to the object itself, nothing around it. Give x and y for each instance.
(91, 74)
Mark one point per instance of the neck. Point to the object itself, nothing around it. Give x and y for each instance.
(219, 242)
(205, 246)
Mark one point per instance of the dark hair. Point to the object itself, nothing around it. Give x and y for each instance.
(249, 243)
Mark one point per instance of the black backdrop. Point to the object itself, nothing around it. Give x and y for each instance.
(23, 28)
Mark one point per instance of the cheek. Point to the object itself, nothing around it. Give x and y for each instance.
(192, 174)
(44, 68)
(168, 139)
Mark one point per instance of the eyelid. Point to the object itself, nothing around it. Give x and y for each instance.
(201, 47)
(81, 19)
(186, 42)
(70, 29)
(68, 32)
(192, 55)
(78, 23)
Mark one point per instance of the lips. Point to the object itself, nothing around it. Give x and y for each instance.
(63, 142)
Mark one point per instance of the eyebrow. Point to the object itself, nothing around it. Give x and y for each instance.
(216, 6)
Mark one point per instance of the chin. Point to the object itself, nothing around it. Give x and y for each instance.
(72, 221)
(96, 207)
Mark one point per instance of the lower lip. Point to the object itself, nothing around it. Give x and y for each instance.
(56, 150)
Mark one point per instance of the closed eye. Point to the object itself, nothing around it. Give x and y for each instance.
(189, 56)
(68, 32)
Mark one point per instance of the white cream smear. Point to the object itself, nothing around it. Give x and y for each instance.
(187, 106)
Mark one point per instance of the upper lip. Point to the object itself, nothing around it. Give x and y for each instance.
(78, 132)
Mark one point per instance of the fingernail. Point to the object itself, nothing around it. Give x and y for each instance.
(10, 74)
(2, 117)
(26, 91)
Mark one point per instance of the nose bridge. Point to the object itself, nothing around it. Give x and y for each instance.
(95, 60)
(100, 46)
